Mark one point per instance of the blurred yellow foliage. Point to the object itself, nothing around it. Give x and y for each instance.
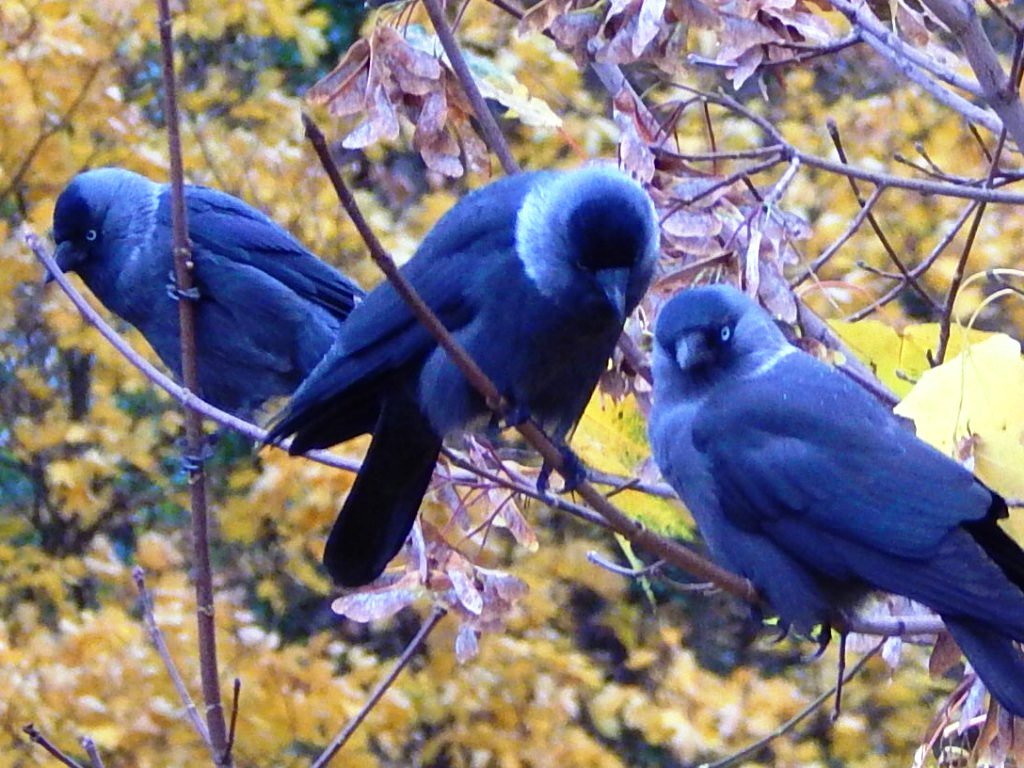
(585, 672)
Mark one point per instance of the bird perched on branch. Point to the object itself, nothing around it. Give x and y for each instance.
(805, 484)
(534, 276)
(266, 308)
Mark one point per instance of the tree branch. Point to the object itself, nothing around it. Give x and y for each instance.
(945, 324)
(997, 88)
(403, 661)
(752, 750)
(33, 733)
(157, 638)
(489, 126)
(183, 265)
(915, 66)
(94, 754)
(833, 131)
(788, 150)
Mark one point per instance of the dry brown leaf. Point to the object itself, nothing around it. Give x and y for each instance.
(383, 598)
(467, 644)
(945, 655)
(340, 79)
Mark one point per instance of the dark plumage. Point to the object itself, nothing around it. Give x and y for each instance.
(534, 275)
(268, 309)
(806, 485)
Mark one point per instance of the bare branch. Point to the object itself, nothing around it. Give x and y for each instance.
(236, 694)
(410, 650)
(833, 131)
(921, 268)
(852, 227)
(788, 150)
(997, 88)
(751, 751)
(183, 265)
(94, 754)
(917, 67)
(33, 733)
(961, 265)
(157, 638)
(489, 126)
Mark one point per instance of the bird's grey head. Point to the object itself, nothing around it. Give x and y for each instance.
(594, 224)
(96, 211)
(713, 330)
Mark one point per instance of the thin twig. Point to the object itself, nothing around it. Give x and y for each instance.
(945, 324)
(410, 650)
(749, 752)
(631, 573)
(833, 131)
(788, 150)
(52, 129)
(803, 53)
(183, 265)
(94, 754)
(489, 126)
(33, 733)
(157, 638)
(235, 695)
(672, 551)
(921, 268)
(851, 228)
(521, 485)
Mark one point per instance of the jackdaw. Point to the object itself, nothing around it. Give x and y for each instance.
(805, 484)
(534, 275)
(267, 309)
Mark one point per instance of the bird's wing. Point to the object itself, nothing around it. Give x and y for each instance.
(802, 448)
(457, 267)
(250, 321)
(226, 227)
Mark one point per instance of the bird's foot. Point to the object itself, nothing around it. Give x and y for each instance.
(515, 416)
(177, 294)
(822, 638)
(193, 462)
(572, 471)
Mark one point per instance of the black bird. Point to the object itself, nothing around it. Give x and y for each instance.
(267, 308)
(534, 275)
(805, 484)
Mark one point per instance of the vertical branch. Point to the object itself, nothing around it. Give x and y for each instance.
(183, 266)
(946, 322)
(489, 126)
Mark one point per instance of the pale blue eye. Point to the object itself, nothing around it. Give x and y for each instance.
(91, 235)
(726, 333)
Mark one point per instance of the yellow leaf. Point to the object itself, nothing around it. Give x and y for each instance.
(977, 396)
(156, 553)
(899, 357)
(612, 437)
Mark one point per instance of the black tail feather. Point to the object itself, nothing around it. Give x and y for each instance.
(997, 660)
(380, 509)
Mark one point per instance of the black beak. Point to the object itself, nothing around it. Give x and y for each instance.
(67, 257)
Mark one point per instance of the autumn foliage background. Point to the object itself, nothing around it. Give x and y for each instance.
(586, 667)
